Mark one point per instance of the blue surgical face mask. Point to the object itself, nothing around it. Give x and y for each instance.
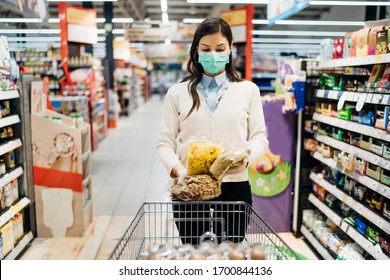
(213, 62)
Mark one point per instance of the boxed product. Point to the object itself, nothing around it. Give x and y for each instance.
(326, 49)
(361, 225)
(375, 200)
(372, 235)
(385, 177)
(381, 41)
(354, 43)
(360, 192)
(328, 109)
(338, 47)
(386, 208)
(384, 243)
(360, 166)
(354, 139)
(383, 85)
(367, 117)
(365, 142)
(362, 42)
(321, 193)
(372, 37)
(382, 118)
(374, 171)
(345, 209)
(377, 146)
(327, 151)
(351, 252)
(347, 44)
(349, 185)
(347, 161)
(330, 200)
(345, 114)
(8, 238)
(386, 150)
(376, 73)
(337, 242)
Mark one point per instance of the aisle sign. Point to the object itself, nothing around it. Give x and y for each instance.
(282, 9)
(237, 20)
(121, 49)
(153, 31)
(82, 26)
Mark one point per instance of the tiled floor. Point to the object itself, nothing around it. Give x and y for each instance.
(126, 171)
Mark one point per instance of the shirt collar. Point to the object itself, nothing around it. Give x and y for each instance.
(219, 79)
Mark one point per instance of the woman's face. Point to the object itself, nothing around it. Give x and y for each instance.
(214, 43)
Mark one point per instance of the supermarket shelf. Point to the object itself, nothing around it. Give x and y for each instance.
(373, 250)
(350, 96)
(355, 61)
(9, 146)
(358, 152)
(9, 94)
(359, 208)
(20, 246)
(265, 75)
(362, 179)
(267, 88)
(10, 176)
(353, 126)
(315, 243)
(87, 180)
(13, 210)
(9, 120)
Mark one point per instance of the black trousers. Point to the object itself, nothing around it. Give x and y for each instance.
(228, 221)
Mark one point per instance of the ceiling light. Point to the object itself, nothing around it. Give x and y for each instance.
(311, 22)
(57, 20)
(29, 31)
(193, 20)
(33, 39)
(122, 20)
(20, 20)
(285, 40)
(118, 31)
(165, 18)
(164, 6)
(298, 33)
(229, 1)
(284, 46)
(349, 3)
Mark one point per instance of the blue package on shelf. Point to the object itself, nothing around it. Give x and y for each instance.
(367, 119)
(299, 93)
(361, 226)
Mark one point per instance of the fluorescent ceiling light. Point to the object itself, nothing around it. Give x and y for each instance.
(284, 46)
(57, 20)
(302, 51)
(101, 39)
(164, 6)
(118, 31)
(34, 45)
(311, 22)
(29, 31)
(298, 33)
(101, 31)
(349, 3)
(33, 39)
(165, 18)
(229, 1)
(286, 40)
(122, 20)
(20, 20)
(193, 20)
(137, 45)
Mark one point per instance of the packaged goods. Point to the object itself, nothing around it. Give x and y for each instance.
(201, 156)
(347, 45)
(225, 160)
(338, 48)
(377, 146)
(381, 42)
(362, 42)
(8, 238)
(196, 188)
(350, 252)
(382, 118)
(354, 43)
(372, 38)
(384, 243)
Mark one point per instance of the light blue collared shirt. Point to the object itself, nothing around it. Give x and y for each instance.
(213, 95)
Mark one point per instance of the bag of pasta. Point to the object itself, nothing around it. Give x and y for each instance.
(200, 156)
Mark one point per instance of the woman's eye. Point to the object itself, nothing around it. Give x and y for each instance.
(205, 50)
(220, 50)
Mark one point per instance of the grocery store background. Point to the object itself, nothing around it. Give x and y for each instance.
(102, 68)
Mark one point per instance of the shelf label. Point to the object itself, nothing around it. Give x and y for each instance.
(361, 101)
(379, 58)
(344, 226)
(342, 100)
(369, 98)
(333, 94)
(355, 96)
(385, 100)
(376, 99)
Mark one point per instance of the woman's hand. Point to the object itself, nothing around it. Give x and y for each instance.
(238, 167)
(179, 172)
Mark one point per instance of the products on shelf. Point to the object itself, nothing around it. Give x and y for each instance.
(8, 238)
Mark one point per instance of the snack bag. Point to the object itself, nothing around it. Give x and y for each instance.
(201, 156)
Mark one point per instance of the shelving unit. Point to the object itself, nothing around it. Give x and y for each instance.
(341, 97)
(17, 219)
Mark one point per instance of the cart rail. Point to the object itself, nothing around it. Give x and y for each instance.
(179, 222)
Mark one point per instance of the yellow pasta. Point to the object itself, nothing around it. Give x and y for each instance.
(201, 156)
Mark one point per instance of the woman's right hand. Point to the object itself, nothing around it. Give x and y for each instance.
(180, 171)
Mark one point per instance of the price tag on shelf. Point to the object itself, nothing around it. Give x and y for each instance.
(355, 96)
(385, 100)
(333, 94)
(378, 249)
(350, 96)
(320, 93)
(342, 100)
(380, 223)
(344, 226)
(369, 98)
(359, 208)
(379, 58)
(361, 101)
(377, 99)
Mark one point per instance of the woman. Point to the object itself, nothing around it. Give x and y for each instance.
(213, 102)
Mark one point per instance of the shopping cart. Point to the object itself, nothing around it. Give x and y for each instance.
(179, 222)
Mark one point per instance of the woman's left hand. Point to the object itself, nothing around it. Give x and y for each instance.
(238, 167)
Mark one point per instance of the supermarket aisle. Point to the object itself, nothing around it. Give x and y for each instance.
(126, 172)
(126, 169)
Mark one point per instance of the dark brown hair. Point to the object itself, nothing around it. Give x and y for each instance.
(208, 26)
